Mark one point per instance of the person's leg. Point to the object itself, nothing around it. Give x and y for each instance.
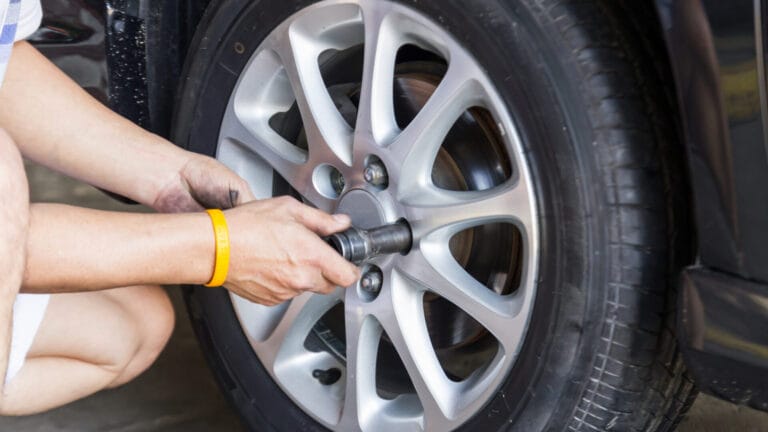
(14, 218)
(88, 342)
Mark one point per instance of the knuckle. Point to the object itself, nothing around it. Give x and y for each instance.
(304, 282)
(289, 205)
(288, 201)
(314, 259)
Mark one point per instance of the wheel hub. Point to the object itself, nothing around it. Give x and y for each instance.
(363, 208)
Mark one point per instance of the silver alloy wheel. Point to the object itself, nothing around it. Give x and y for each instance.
(285, 71)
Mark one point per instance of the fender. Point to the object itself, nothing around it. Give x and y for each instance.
(716, 50)
(126, 53)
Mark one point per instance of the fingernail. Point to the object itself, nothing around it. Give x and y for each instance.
(341, 218)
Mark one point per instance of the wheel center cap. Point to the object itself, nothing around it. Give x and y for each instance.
(363, 208)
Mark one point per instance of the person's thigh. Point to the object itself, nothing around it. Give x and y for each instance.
(88, 342)
(106, 328)
(14, 218)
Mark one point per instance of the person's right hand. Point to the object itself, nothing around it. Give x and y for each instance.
(277, 253)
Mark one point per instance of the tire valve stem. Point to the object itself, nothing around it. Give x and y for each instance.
(328, 376)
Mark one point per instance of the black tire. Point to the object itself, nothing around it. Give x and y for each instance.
(586, 92)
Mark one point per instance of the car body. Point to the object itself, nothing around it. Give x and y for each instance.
(130, 54)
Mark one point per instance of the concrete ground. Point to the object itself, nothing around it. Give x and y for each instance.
(178, 393)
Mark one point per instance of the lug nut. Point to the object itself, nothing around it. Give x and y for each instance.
(337, 181)
(370, 283)
(376, 174)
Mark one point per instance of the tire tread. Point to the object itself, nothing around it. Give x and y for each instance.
(638, 380)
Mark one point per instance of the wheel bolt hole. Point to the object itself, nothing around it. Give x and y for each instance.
(328, 376)
(369, 286)
(375, 173)
(328, 181)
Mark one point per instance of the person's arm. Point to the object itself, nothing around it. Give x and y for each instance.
(276, 251)
(71, 249)
(56, 123)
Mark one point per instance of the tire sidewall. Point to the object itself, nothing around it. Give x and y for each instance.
(543, 386)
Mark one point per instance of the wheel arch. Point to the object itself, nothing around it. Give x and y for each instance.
(720, 88)
(146, 47)
(717, 54)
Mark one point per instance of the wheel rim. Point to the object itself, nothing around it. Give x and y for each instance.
(444, 330)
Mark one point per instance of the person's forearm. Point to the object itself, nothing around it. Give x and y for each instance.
(75, 249)
(57, 124)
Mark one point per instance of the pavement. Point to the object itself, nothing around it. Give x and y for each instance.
(179, 394)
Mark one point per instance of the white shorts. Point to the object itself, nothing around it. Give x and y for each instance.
(28, 313)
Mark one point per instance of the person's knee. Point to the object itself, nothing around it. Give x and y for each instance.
(12, 165)
(13, 180)
(154, 321)
(159, 322)
(14, 211)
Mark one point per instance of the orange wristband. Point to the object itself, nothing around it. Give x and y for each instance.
(221, 233)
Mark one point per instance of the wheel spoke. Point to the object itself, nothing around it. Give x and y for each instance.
(376, 112)
(437, 212)
(407, 330)
(286, 159)
(286, 342)
(285, 80)
(328, 135)
(293, 365)
(418, 144)
(362, 336)
(434, 269)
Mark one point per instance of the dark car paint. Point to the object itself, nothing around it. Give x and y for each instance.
(130, 53)
(716, 63)
(717, 53)
(126, 53)
(72, 35)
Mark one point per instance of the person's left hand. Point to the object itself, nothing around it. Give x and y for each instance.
(202, 183)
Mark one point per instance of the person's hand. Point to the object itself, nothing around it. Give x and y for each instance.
(202, 182)
(277, 253)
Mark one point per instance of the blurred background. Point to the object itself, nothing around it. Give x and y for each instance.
(179, 394)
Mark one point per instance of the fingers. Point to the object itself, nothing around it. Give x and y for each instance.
(337, 270)
(322, 269)
(333, 267)
(258, 294)
(313, 281)
(316, 220)
(279, 254)
(224, 199)
(274, 292)
(211, 198)
(240, 193)
(245, 194)
(213, 185)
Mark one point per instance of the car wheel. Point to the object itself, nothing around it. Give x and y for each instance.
(529, 147)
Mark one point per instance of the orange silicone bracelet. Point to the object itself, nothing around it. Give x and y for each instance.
(221, 233)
